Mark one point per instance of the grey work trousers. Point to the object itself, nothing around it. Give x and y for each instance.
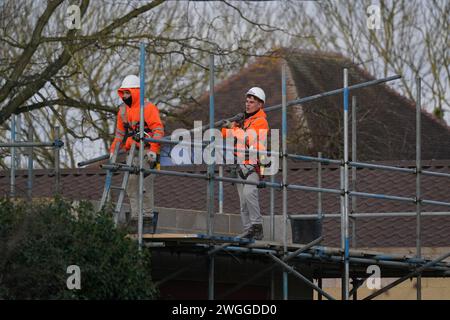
(133, 190)
(249, 201)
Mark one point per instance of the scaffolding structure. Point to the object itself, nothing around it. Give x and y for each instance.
(344, 192)
(56, 145)
(282, 253)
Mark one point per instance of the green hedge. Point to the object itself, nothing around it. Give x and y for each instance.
(39, 241)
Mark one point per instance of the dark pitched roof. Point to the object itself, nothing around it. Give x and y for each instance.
(175, 192)
(385, 120)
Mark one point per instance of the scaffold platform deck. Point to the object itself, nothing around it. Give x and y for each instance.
(325, 262)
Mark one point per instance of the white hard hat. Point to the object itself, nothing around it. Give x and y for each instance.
(130, 81)
(257, 92)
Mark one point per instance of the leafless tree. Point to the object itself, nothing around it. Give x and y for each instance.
(56, 76)
(412, 40)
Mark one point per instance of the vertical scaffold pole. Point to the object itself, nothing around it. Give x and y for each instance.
(210, 196)
(13, 157)
(354, 158)
(319, 210)
(346, 202)
(30, 165)
(141, 139)
(221, 189)
(272, 233)
(418, 172)
(319, 284)
(57, 150)
(319, 185)
(19, 138)
(342, 205)
(284, 165)
(272, 209)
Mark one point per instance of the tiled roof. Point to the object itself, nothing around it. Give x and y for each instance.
(185, 193)
(385, 120)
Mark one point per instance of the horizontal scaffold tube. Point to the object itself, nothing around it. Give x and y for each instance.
(355, 164)
(396, 198)
(438, 203)
(262, 184)
(380, 166)
(333, 92)
(371, 215)
(314, 189)
(315, 159)
(100, 158)
(381, 196)
(304, 99)
(435, 174)
(222, 148)
(383, 261)
(29, 144)
(93, 160)
(134, 169)
(205, 144)
(224, 179)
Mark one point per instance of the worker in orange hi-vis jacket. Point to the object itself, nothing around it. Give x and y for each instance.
(127, 131)
(250, 135)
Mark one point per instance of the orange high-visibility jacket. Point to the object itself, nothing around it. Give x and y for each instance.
(129, 116)
(258, 124)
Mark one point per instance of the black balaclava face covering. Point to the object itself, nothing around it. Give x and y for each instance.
(248, 115)
(127, 101)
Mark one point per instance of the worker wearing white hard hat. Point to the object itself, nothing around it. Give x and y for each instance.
(127, 132)
(258, 93)
(250, 134)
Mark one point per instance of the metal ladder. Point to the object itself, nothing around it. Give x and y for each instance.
(122, 188)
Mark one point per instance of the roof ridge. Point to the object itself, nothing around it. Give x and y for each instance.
(317, 54)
